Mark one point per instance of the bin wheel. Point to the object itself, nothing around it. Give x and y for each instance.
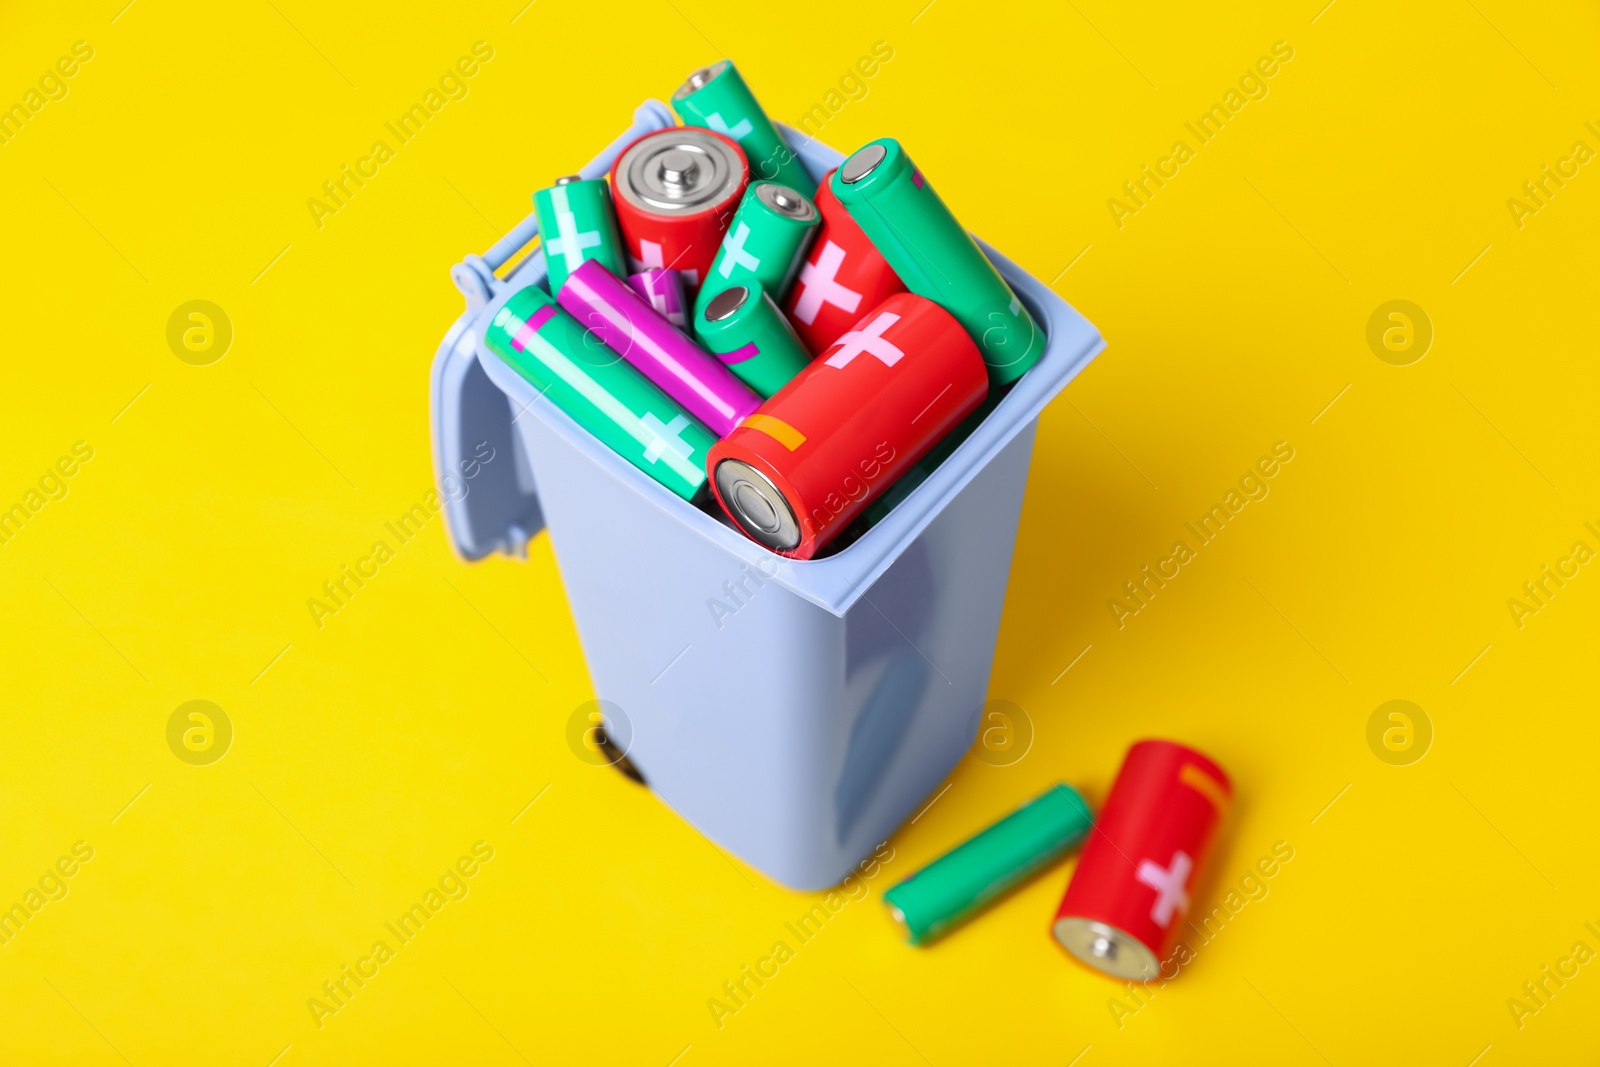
(617, 758)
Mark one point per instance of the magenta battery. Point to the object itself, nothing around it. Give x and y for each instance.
(664, 291)
(621, 318)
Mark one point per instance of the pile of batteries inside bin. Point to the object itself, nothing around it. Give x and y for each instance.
(805, 353)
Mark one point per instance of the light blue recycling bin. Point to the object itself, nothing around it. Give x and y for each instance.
(795, 712)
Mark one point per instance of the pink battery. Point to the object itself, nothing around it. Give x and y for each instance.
(621, 318)
(664, 290)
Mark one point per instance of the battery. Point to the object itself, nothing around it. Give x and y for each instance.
(577, 224)
(1130, 892)
(745, 330)
(924, 468)
(717, 98)
(987, 865)
(675, 191)
(843, 275)
(664, 291)
(935, 256)
(795, 473)
(765, 242)
(598, 391)
(621, 318)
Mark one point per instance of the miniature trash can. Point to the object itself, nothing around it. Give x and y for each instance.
(795, 712)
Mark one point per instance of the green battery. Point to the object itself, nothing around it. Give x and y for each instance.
(577, 223)
(935, 256)
(980, 869)
(601, 393)
(766, 242)
(745, 330)
(717, 98)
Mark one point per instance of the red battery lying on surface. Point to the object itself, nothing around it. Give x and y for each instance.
(1129, 895)
(843, 276)
(675, 191)
(799, 468)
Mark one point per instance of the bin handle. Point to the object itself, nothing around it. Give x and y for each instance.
(475, 276)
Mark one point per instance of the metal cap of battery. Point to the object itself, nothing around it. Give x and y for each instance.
(569, 179)
(678, 169)
(700, 79)
(862, 163)
(681, 172)
(785, 201)
(1105, 948)
(726, 303)
(757, 506)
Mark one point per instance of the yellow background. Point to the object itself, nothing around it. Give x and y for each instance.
(427, 714)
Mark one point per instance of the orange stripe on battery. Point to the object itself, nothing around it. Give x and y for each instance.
(777, 429)
(1205, 785)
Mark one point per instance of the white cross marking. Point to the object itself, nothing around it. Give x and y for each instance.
(739, 131)
(733, 253)
(665, 436)
(870, 341)
(570, 243)
(651, 251)
(1168, 882)
(817, 286)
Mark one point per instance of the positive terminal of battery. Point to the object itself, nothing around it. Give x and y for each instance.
(678, 168)
(863, 163)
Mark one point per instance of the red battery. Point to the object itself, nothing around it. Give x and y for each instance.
(843, 276)
(805, 463)
(675, 191)
(1129, 895)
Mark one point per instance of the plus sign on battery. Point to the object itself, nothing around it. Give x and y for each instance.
(1168, 882)
(650, 257)
(869, 342)
(571, 242)
(733, 253)
(653, 260)
(738, 131)
(817, 286)
(665, 435)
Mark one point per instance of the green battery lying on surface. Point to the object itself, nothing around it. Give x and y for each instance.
(717, 98)
(766, 242)
(577, 223)
(744, 329)
(935, 256)
(980, 869)
(601, 393)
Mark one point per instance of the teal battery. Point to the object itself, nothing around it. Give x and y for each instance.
(577, 223)
(717, 98)
(983, 867)
(766, 243)
(599, 391)
(916, 233)
(743, 328)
